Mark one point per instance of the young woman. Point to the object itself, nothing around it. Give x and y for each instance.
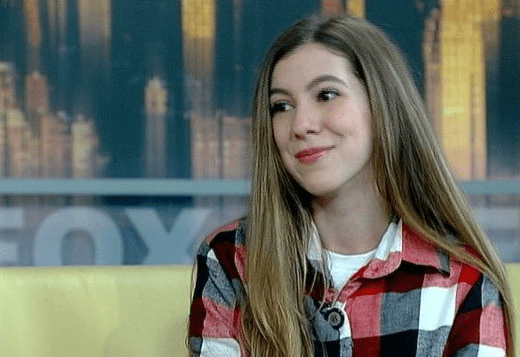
(358, 241)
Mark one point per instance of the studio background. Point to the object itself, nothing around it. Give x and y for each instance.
(124, 124)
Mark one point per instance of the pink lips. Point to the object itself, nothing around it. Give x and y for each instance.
(308, 156)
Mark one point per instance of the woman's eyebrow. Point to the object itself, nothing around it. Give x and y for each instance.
(312, 84)
(274, 91)
(324, 78)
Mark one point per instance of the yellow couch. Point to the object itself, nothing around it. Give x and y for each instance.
(118, 311)
(94, 311)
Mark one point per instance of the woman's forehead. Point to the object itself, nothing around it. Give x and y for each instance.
(307, 62)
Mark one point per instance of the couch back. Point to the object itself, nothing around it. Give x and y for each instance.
(94, 311)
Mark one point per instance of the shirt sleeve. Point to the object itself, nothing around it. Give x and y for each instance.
(214, 315)
(479, 328)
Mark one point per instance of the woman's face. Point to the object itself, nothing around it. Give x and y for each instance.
(321, 121)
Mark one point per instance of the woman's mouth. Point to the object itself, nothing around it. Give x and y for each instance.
(310, 155)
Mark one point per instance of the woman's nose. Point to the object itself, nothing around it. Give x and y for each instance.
(305, 121)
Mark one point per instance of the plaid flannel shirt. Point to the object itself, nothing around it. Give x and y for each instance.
(409, 300)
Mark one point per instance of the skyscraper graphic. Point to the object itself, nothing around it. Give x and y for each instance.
(33, 35)
(16, 142)
(95, 29)
(496, 150)
(7, 87)
(146, 42)
(37, 115)
(156, 95)
(36, 93)
(356, 8)
(57, 12)
(12, 37)
(351, 7)
(61, 55)
(7, 95)
(471, 51)
(198, 28)
(94, 38)
(42, 36)
(462, 123)
(503, 91)
(85, 159)
(16, 139)
(331, 7)
(403, 21)
(36, 100)
(54, 146)
(20, 145)
(431, 48)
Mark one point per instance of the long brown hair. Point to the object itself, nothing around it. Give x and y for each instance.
(410, 169)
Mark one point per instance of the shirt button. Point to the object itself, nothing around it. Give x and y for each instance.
(335, 318)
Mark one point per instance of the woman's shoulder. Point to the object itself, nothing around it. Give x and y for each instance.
(225, 247)
(232, 232)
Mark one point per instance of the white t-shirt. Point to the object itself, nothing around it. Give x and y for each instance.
(342, 267)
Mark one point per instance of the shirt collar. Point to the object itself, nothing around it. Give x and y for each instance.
(419, 251)
(399, 243)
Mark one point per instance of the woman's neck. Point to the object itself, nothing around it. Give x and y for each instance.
(351, 224)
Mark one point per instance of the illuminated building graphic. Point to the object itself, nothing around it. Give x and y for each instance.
(94, 27)
(94, 41)
(503, 90)
(351, 7)
(36, 116)
(36, 93)
(471, 52)
(462, 123)
(146, 42)
(156, 96)
(356, 8)
(404, 21)
(7, 89)
(33, 34)
(36, 100)
(331, 7)
(13, 43)
(62, 52)
(32, 21)
(54, 146)
(198, 27)
(57, 12)
(235, 148)
(7, 96)
(85, 159)
(37, 143)
(17, 140)
(432, 67)
(89, 57)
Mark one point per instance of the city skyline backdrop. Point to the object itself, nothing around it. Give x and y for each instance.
(133, 88)
(162, 88)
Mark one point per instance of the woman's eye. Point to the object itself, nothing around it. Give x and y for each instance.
(279, 107)
(327, 94)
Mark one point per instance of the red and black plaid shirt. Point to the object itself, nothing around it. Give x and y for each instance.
(409, 300)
